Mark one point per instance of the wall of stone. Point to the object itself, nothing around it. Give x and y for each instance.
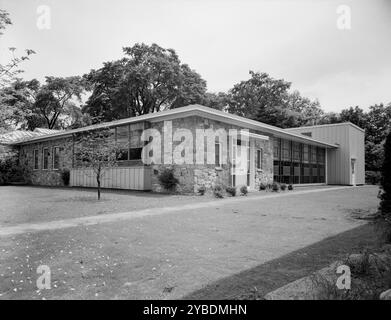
(193, 176)
(49, 177)
(7, 151)
(264, 176)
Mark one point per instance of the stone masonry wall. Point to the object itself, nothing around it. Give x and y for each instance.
(193, 176)
(50, 176)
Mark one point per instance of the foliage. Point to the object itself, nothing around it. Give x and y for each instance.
(243, 190)
(10, 171)
(275, 187)
(283, 186)
(385, 196)
(266, 99)
(30, 105)
(148, 79)
(231, 191)
(65, 176)
(373, 177)
(10, 70)
(167, 179)
(290, 187)
(218, 191)
(202, 190)
(262, 187)
(95, 151)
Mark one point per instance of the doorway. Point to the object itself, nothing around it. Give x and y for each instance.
(353, 168)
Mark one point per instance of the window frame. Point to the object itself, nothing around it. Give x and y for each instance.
(36, 159)
(53, 156)
(218, 164)
(43, 158)
(259, 158)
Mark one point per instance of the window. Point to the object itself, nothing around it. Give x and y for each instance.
(45, 158)
(218, 154)
(56, 158)
(296, 151)
(36, 159)
(259, 158)
(135, 153)
(308, 134)
(305, 153)
(286, 150)
(122, 139)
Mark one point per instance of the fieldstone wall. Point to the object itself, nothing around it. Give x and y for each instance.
(50, 176)
(7, 151)
(193, 176)
(265, 175)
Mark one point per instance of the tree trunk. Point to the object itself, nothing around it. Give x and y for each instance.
(98, 180)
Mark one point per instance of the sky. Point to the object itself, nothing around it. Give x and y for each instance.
(328, 56)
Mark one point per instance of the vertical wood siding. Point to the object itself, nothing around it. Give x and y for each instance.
(132, 178)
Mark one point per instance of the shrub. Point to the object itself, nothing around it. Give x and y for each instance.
(10, 171)
(201, 190)
(243, 190)
(218, 192)
(167, 179)
(275, 187)
(373, 177)
(262, 187)
(65, 176)
(290, 187)
(231, 191)
(385, 195)
(283, 186)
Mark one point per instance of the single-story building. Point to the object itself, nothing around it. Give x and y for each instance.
(330, 154)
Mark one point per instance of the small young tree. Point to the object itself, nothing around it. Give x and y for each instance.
(385, 196)
(97, 152)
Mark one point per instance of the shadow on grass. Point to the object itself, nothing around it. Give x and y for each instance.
(258, 281)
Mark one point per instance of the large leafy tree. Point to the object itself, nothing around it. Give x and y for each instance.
(268, 100)
(148, 79)
(28, 104)
(55, 98)
(257, 97)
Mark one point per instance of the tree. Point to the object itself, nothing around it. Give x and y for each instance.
(17, 100)
(54, 98)
(308, 112)
(148, 79)
(354, 115)
(257, 97)
(385, 196)
(215, 100)
(10, 70)
(96, 151)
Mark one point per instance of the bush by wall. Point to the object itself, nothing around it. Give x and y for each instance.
(373, 177)
(10, 171)
(243, 190)
(275, 187)
(283, 186)
(167, 179)
(66, 176)
(231, 191)
(218, 191)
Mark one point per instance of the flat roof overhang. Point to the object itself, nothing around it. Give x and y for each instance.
(191, 110)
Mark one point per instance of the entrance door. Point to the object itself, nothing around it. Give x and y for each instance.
(241, 164)
(353, 165)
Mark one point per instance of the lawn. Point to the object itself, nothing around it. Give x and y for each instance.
(190, 253)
